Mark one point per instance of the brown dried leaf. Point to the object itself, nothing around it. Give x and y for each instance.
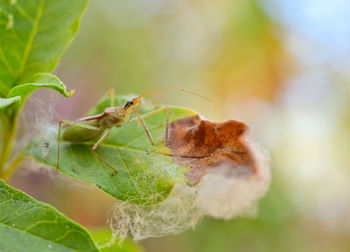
(238, 175)
(209, 147)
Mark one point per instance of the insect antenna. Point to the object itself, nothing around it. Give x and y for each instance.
(180, 89)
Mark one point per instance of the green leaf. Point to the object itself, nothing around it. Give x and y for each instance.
(40, 80)
(33, 36)
(146, 174)
(4, 102)
(103, 236)
(29, 225)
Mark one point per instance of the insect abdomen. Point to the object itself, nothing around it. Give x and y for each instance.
(74, 133)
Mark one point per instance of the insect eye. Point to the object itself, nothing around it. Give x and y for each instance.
(128, 104)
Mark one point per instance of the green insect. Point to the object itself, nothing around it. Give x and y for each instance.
(114, 116)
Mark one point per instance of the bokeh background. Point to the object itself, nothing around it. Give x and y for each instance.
(283, 67)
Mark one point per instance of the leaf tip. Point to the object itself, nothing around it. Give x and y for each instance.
(70, 93)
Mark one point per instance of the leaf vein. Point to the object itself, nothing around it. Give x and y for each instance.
(23, 212)
(6, 201)
(6, 63)
(60, 244)
(37, 223)
(128, 170)
(32, 35)
(108, 176)
(23, 13)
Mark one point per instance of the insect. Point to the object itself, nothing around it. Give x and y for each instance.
(114, 116)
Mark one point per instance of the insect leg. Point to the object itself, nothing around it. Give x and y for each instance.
(167, 126)
(143, 125)
(166, 135)
(59, 135)
(154, 112)
(111, 95)
(104, 136)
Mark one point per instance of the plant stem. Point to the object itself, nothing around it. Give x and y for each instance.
(9, 127)
(12, 167)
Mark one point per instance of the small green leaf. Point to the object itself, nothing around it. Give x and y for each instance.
(4, 102)
(146, 173)
(34, 35)
(40, 80)
(29, 225)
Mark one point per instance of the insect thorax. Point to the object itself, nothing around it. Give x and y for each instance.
(109, 121)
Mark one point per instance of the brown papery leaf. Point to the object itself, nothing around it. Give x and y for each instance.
(209, 147)
(227, 175)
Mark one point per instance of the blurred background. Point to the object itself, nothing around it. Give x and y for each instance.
(283, 67)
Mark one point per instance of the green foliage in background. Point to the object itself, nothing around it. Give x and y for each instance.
(33, 37)
(27, 223)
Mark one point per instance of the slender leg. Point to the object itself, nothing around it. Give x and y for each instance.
(167, 126)
(152, 113)
(96, 146)
(166, 135)
(111, 94)
(143, 125)
(59, 135)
